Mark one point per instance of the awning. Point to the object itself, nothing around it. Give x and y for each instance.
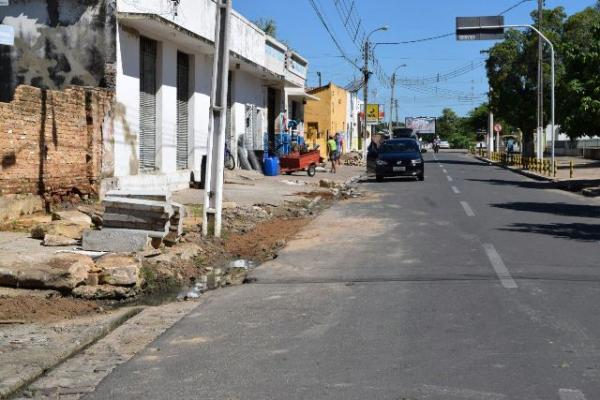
(300, 92)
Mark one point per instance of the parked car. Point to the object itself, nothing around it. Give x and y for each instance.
(444, 144)
(396, 158)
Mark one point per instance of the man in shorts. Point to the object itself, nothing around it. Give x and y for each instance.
(332, 152)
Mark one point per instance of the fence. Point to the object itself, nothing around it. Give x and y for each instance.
(542, 167)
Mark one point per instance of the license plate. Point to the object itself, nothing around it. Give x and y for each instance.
(399, 169)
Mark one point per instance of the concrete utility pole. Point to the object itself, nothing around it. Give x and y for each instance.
(213, 190)
(366, 75)
(392, 99)
(540, 95)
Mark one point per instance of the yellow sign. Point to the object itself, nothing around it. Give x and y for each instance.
(373, 113)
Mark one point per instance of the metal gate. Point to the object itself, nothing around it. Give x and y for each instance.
(147, 139)
(183, 82)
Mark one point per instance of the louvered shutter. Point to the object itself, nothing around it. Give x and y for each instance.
(147, 139)
(183, 74)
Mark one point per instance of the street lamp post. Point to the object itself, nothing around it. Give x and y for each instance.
(366, 74)
(392, 99)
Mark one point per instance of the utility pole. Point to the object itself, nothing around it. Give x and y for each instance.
(392, 103)
(365, 97)
(397, 114)
(213, 190)
(320, 80)
(392, 99)
(540, 100)
(366, 75)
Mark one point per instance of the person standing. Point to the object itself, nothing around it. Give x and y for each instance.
(332, 151)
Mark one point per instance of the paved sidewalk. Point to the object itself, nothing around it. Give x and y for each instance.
(247, 188)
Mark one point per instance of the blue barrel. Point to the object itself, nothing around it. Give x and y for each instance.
(271, 166)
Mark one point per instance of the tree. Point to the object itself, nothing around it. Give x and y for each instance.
(579, 98)
(448, 124)
(269, 26)
(512, 73)
(477, 119)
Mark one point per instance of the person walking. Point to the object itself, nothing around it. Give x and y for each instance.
(332, 151)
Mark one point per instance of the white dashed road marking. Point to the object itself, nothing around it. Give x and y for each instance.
(468, 209)
(449, 178)
(455, 190)
(570, 394)
(444, 170)
(505, 278)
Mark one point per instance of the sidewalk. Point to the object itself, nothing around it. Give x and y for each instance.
(247, 188)
(586, 173)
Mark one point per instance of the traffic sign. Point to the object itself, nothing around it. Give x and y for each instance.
(480, 28)
(497, 128)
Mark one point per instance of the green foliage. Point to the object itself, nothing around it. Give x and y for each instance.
(269, 26)
(512, 73)
(448, 124)
(579, 90)
(461, 140)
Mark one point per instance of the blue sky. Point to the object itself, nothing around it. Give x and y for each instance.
(407, 20)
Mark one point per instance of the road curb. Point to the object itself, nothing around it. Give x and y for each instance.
(89, 337)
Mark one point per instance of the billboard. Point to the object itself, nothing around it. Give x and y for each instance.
(373, 113)
(421, 124)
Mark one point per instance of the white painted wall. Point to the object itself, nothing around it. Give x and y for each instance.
(126, 151)
(166, 108)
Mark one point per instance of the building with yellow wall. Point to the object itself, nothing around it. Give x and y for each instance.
(326, 116)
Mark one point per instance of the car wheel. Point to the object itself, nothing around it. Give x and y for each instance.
(421, 177)
(379, 178)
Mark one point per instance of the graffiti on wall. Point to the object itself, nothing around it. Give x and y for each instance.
(58, 43)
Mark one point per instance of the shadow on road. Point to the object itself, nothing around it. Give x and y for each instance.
(454, 162)
(581, 232)
(563, 209)
(523, 184)
(396, 179)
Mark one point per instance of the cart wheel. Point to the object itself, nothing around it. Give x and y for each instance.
(288, 172)
(312, 170)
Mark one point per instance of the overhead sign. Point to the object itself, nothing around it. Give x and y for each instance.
(373, 113)
(421, 125)
(7, 35)
(497, 128)
(480, 28)
(3, 3)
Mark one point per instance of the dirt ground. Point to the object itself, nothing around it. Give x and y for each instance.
(24, 309)
(262, 243)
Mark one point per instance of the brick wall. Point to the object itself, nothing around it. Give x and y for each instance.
(51, 141)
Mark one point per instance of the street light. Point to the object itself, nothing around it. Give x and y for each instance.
(392, 100)
(366, 85)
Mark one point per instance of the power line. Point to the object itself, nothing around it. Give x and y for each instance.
(330, 32)
(513, 7)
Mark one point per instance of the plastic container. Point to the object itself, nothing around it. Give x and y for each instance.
(271, 166)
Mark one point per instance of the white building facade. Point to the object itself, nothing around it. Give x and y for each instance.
(354, 109)
(163, 82)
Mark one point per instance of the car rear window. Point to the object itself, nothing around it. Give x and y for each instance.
(400, 147)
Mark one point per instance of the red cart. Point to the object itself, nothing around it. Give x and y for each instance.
(300, 162)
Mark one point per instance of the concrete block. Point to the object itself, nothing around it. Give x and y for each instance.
(115, 240)
(135, 204)
(162, 196)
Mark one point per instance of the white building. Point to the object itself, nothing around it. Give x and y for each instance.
(163, 76)
(354, 105)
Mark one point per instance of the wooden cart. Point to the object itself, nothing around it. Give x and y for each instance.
(296, 161)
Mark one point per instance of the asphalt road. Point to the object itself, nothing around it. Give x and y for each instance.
(475, 284)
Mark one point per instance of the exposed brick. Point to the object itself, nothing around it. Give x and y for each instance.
(51, 141)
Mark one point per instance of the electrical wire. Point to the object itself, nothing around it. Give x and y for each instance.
(513, 7)
(331, 34)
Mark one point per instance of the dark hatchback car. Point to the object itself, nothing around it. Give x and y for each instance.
(396, 157)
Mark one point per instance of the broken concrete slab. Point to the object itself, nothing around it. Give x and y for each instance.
(145, 195)
(59, 240)
(72, 216)
(62, 272)
(137, 204)
(119, 270)
(73, 230)
(103, 292)
(116, 240)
